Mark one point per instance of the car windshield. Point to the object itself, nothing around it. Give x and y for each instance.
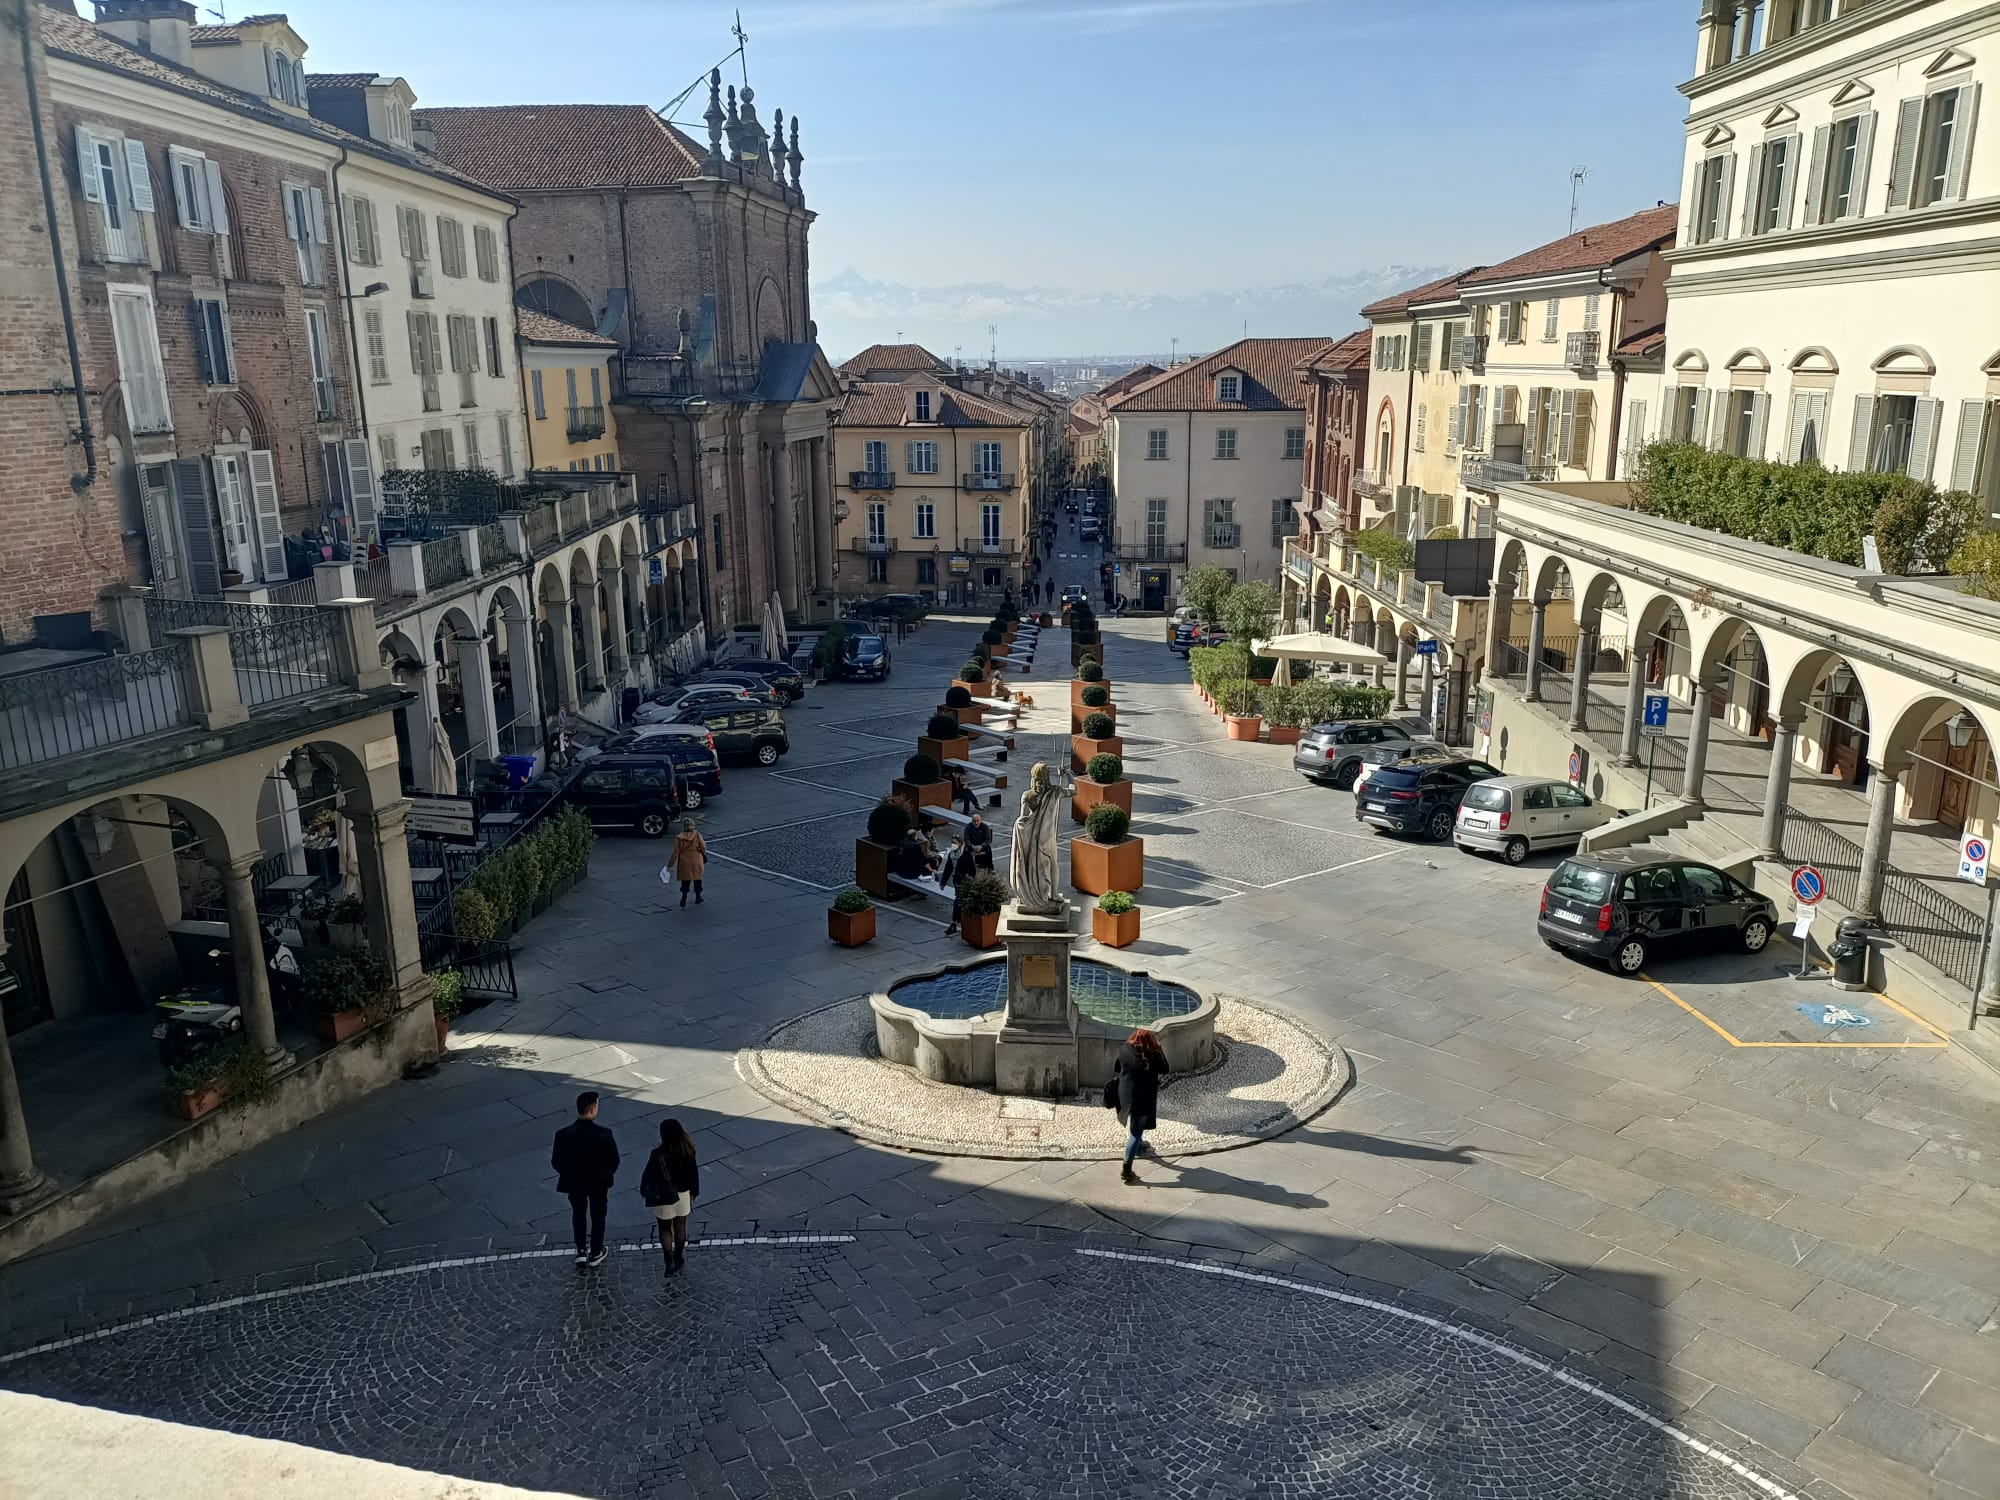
(864, 645)
(1580, 882)
(1486, 798)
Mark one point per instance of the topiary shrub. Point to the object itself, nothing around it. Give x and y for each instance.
(942, 727)
(982, 895)
(922, 770)
(1096, 695)
(1107, 823)
(957, 697)
(1089, 671)
(888, 822)
(1104, 769)
(1099, 726)
(972, 671)
(852, 900)
(1116, 903)
(447, 994)
(991, 637)
(473, 919)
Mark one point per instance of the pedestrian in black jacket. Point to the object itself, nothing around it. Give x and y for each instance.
(979, 839)
(959, 866)
(585, 1159)
(670, 1184)
(1140, 1066)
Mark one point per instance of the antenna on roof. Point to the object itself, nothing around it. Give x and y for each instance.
(742, 46)
(1576, 176)
(219, 13)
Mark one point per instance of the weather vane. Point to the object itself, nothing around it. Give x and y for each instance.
(742, 46)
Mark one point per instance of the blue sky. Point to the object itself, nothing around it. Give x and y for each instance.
(1083, 170)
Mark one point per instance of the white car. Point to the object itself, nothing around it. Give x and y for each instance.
(1408, 752)
(668, 703)
(1515, 815)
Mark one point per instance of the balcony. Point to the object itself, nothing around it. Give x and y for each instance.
(1490, 473)
(1224, 536)
(1371, 484)
(1152, 552)
(873, 546)
(871, 479)
(989, 481)
(1580, 352)
(641, 376)
(667, 518)
(990, 546)
(585, 423)
(1472, 352)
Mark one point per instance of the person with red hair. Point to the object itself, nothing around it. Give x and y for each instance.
(1137, 1073)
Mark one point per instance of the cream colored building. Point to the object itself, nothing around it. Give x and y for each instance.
(1835, 292)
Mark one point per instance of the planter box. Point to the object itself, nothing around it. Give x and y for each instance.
(1120, 931)
(871, 867)
(1079, 713)
(978, 689)
(1095, 868)
(332, 1026)
(1082, 748)
(850, 929)
(1244, 726)
(972, 713)
(942, 751)
(914, 795)
(194, 1106)
(1077, 685)
(443, 1024)
(1089, 793)
(1285, 734)
(1078, 650)
(980, 932)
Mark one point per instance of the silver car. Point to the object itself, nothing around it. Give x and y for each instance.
(1516, 815)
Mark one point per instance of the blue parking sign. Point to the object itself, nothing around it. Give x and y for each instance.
(1654, 722)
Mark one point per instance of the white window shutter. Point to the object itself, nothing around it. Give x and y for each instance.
(1864, 152)
(1814, 444)
(1965, 454)
(138, 175)
(289, 196)
(360, 486)
(86, 166)
(317, 202)
(270, 524)
(403, 230)
(1582, 437)
(1566, 430)
(1816, 174)
(177, 160)
(1903, 159)
(1703, 398)
(218, 203)
(433, 355)
(1795, 427)
(1961, 141)
(1789, 186)
(1728, 196)
(1753, 188)
(1861, 433)
(1531, 442)
(1923, 438)
(1458, 416)
(1760, 419)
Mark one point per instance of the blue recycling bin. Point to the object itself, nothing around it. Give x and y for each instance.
(520, 770)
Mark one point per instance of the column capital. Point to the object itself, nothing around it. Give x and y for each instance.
(244, 865)
(1891, 766)
(382, 822)
(1789, 723)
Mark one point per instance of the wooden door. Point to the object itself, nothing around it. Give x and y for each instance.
(1955, 786)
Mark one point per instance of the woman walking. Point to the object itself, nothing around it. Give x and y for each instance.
(670, 1184)
(690, 859)
(1140, 1067)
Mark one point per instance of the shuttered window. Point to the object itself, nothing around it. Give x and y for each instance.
(377, 345)
(198, 195)
(486, 252)
(364, 241)
(493, 365)
(305, 226)
(451, 246)
(214, 358)
(141, 376)
(1550, 320)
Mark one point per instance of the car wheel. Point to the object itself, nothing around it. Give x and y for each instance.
(1517, 851)
(1756, 933)
(1630, 957)
(1440, 825)
(693, 798)
(1553, 946)
(653, 824)
(1343, 777)
(767, 754)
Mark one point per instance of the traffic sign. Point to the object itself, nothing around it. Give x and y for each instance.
(1427, 648)
(1808, 885)
(1575, 767)
(1655, 720)
(1972, 856)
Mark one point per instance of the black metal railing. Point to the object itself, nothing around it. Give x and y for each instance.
(586, 422)
(87, 705)
(419, 502)
(1580, 351)
(444, 563)
(989, 481)
(290, 656)
(871, 479)
(1939, 930)
(163, 615)
(1224, 536)
(990, 546)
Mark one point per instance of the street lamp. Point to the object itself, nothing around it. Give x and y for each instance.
(1958, 729)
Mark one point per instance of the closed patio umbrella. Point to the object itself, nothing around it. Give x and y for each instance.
(444, 767)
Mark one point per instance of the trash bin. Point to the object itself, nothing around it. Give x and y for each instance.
(520, 769)
(1849, 952)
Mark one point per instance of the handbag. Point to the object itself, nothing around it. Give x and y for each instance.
(1111, 1094)
(656, 1184)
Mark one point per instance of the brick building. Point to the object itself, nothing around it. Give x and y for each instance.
(1336, 434)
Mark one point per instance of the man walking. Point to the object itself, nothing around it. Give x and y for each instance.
(585, 1160)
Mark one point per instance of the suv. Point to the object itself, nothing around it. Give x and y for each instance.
(745, 730)
(627, 791)
(688, 748)
(1401, 753)
(1332, 753)
(864, 656)
(1511, 815)
(787, 680)
(1419, 799)
(1621, 905)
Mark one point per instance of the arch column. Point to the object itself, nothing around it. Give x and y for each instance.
(617, 649)
(785, 539)
(1402, 674)
(1697, 752)
(593, 637)
(565, 648)
(1427, 693)
(822, 518)
(475, 681)
(520, 629)
(391, 908)
(21, 1181)
(1778, 785)
(1586, 649)
(420, 716)
(1635, 706)
(246, 952)
(1533, 688)
(1499, 615)
(1883, 785)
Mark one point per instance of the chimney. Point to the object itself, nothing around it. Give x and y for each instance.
(157, 26)
(423, 135)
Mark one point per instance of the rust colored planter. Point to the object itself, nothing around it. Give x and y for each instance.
(1081, 749)
(942, 751)
(911, 794)
(980, 932)
(850, 929)
(972, 713)
(1095, 868)
(443, 1024)
(1076, 687)
(332, 1026)
(1285, 734)
(871, 867)
(1120, 931)
(1079, 714)
(1089, 793)
(1078, 650)
(1244, 726)
(194, 1106)
(978, 689)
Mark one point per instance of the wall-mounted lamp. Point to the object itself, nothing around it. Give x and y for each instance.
(1958, 729)
(375, 289)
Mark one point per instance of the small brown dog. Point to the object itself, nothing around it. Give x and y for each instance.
(1022, 700)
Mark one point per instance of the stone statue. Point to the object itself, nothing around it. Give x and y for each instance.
(1035, 867)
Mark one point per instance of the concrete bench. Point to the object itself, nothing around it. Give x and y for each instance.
(922, 887)
(980, 733)
(988, 752)
(993, 781)
(949, 815)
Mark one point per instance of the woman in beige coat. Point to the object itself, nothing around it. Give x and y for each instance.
(690, 858)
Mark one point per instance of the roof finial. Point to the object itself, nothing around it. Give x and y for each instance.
(713, 166)
(796, 159)
(778, 146)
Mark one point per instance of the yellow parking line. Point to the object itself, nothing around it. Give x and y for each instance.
(1736, 1041)
(1887, 999)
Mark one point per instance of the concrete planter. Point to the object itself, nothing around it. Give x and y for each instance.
(915, 794)
(1095, 868)
(972, 713)
(978, 689)
(1089, 793)
(1115, 931)
(1076, 687)
(871, 867)
(1244, 726)
(850, 929)
(1285, 734)
(1081, 748)
(193, 1106)
(981, 931)
(942, 751)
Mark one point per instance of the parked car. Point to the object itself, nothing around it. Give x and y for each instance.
(627, 791)
(1513, 815)
(688, 748)
(1624, 905)
(1419, 799)
(745, 731)
(1088, 528)
(909, 608)
(1401, 753)
(782, 675)
(757, 687)
(1334, 753)
(666, 704)
(864, 658)
(1191, 633)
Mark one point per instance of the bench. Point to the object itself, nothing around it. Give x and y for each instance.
(985, 752)
(981, 732)
(949, 815)
(996, 780)
(922, 887)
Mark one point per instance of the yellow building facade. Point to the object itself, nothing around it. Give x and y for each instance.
(567, 375)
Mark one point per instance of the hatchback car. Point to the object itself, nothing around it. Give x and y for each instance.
(743, 731)
(789, 681)
(1333, 753)
(864, 658)
(909, 608)
(688, 748)
(627, 791)
(758, 687)
(1624, 905)
(666, 705)
(1512, 815)
(1419, 799)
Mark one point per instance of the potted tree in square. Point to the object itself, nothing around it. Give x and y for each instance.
(850, 921)
(1109, 857)
(1239, 709)
(1099, 737)
(958, 703)
(888, 821)
(447, 1001)
(1095, 699)
(1283, 708)
(973, 675)
(1114, 921)
(1088, 671)
(922, 783)
(942, 740)
(979, 901)
(1103, 781)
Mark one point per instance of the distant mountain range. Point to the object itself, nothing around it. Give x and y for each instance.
(854, 311)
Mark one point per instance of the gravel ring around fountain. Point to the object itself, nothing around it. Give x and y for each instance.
(1274, 1075)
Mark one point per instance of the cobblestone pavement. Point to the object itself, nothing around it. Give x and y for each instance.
(893, 1365)
(1791, 1252)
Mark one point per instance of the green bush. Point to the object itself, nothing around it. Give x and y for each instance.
(472, 917)
(1107, 823)
(1358, 702)
(348, 911)
(1104, 768)
(1203, 591)
(1237, 695)
(1383, 545)
(447, 994)
(1977, 561)
(239, 1069)
(332, 983)
(942, 727)
(1281, 706)
(1088, 670)
(1116, 903)
(1096, 695)
(922, 770)
(1099, 726)
(991, 637)
(972, 671)
(888, 821)
(826, 650)
(852, 900)
(982, 895)
(957, 697)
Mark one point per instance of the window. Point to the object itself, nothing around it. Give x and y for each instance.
(1156, 528)
(506, 447)
(305, 225)
(1745, 434)
(1219, 529)
(493, 366)
(1805, 433)
(1933, 143)
(117, 179)
(396, 122)
(364, 242)
(463, 335)
(391, 459)
(451, 246)
(1295, 443)
(1550, 319)
(426, 355)
(1225, 442)
(1704, 884)
(1593, 306)
(1156, 442)
(1513, 322)
(472, 446)
(1895, 434)
(986, 458)
(1454, 347)
(924, 458)
(878, 522)
(535, 385)
(596, 386)
(1417, 433)
(1767, 203)
(989, 525)
(140, 372)
(1713, 183)
(877, 456)
(1284, 520)
(214, 359)
(413, 238)
(1229, 388)
(486, 252)
(878, 570)
(1688, 414)
(923, 406)
(319, 349)
(1423, 354)
(721, 557)
(927, 570)
(285, 77)
(435, 443)
(926, 520)
(377, 345)
(198, 191)
(1840, 152)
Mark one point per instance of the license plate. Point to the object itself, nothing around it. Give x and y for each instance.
(1375, 807)
(1568, 916)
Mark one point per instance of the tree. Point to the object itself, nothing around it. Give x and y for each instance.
(1248, 610)
(1203, 591)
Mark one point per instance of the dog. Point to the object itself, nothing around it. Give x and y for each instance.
(1022, 700)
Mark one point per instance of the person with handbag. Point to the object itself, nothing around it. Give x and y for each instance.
(1134, 1091)
(670, 1184)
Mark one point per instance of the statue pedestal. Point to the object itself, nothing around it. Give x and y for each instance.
(1035, 1052)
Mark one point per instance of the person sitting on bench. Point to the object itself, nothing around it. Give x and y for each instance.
(913, 858)
(961, 793)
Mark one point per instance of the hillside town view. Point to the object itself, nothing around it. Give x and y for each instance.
(664, 834)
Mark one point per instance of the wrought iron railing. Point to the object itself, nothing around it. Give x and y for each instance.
(444, 563)
(877, 546)
(586, 422)
(1168, 552)
(1580, 351)
(871, 479)
(1369, 482)
(1224, 536)
(494, 553)
(990, 546)
(163, 615)
(372, 580)
(87, 705)
(290, 656)
(989, 481)
(1939, 930)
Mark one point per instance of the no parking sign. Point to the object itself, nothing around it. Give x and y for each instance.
(1972, 856)
(1808, 885)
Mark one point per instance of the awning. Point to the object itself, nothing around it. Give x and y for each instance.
(1320, 646)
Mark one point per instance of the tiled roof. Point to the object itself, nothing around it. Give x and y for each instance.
(1430, 291)
(210, 35)
(1131, 380)
(548, 147)
(340, 80)
(1587, 249)
(893, 357)
(1271, 379)
(539, 328)
(886, 405)
(1350, 353)
(1644, 341)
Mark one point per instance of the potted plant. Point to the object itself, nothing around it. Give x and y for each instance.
(979, 901)
(942, 740)
(1099, 737)
(447, 1001)
(1092, 697)
(1239, 709)
(235, 1070)
(1088, 671)
(472, 919)
(346, 992)
(958, 703)
(1103, 781)
(1114, 921)
(888, 821)
(344, 923)
(1282, 709)
(922, 783)
(1109, 857)
(850, 921)
(973, 675)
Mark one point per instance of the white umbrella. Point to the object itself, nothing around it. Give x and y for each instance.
(444, 767)
(1320, 646)
(350, 858)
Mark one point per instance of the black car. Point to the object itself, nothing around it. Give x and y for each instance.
(1624, 905)
(742, 731)
(1417, 798)
(787, 679)
(697, 768)
(1333, 753)
(909, 608)
(864, 657)
(640, 792)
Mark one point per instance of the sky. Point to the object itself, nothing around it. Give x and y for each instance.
(1104, 176)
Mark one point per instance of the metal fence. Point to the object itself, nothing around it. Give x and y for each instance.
(87, 705)
(541, 527)
(290, 656)
(494, 553)
(295, 592)
(1936, 928)
(444, 562)
(163, 615)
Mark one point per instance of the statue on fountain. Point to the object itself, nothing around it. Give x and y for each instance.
(1035, 870)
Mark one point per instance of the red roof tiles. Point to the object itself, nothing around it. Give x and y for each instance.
(1588, 249)
(540, 328)
(896, 358)
(1430, 291)
(1351, 353)
(883, 404)
(1271, 382)
(549, 147)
